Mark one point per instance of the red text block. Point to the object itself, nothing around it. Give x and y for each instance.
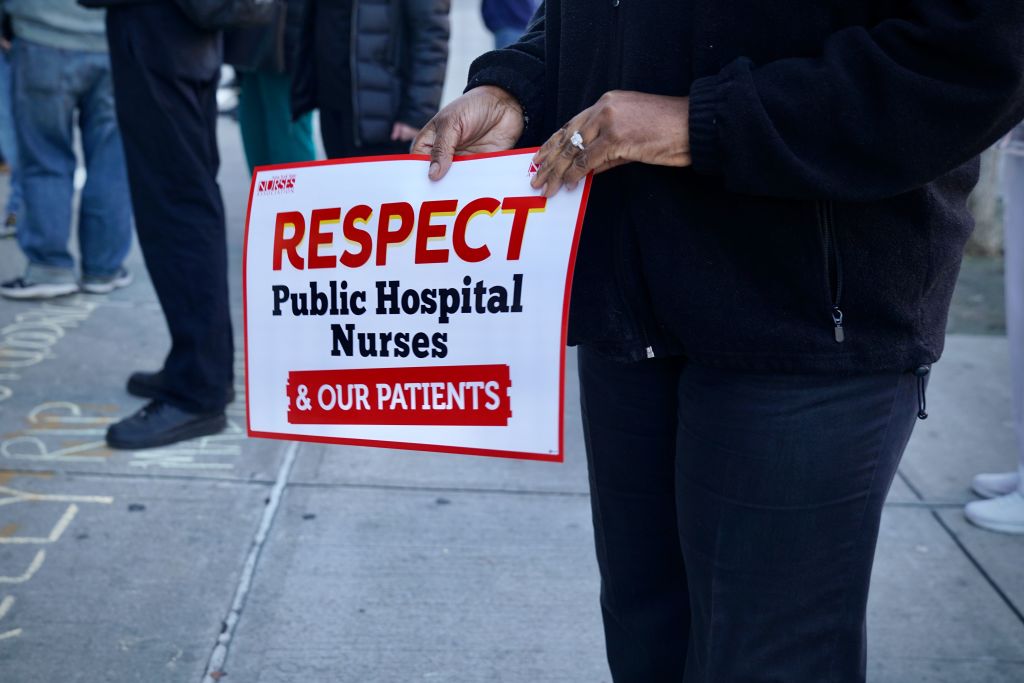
(455, 395)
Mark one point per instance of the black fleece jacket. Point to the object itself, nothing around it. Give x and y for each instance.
(822, 223)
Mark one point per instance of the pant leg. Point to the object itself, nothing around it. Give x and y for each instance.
(781, 481)
(252, 120)
(1013, 191)
(8, 138)
(288, 141)
(43, 120)
(335, 129)
(165, 81)
(105, 217)
(629, 423)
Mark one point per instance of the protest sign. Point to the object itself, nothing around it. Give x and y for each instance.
(384, 309)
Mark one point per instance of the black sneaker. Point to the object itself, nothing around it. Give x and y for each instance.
(161, 424)
(150, 385)
(22, 288)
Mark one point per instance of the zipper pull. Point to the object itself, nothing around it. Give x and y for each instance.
(837, 320)
(922, 406)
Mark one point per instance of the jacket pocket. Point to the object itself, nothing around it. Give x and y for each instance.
(833, 267)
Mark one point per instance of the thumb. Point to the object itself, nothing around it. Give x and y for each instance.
(443, 149)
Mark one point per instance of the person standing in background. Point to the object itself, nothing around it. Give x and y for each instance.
(264, 59)
(61, 67)
(8, 139)
(374, 68)
(507, 19)
(166, 69)
(1005, 510)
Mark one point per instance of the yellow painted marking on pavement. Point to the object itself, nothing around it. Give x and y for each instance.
(7, 475)
(7, 532)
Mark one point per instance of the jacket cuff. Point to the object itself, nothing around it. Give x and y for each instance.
(706, 94)
(528, 91)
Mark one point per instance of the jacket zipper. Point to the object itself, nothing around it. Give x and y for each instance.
(354, 68)
(626, 247)
(615, 69)
(833, 268)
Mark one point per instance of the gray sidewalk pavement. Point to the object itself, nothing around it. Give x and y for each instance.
(281, 562)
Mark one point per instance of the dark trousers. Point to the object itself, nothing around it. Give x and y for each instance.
(736, 516)
(338, 132)
(165, 85)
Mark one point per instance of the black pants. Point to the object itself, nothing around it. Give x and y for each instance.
(165, 84)
(338, 133)
(736, 517)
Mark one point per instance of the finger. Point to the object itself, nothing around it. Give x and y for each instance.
(425, 140)
(443, 149)
(594, 157)
(547, 157)
(569, 156)
(601, 168)
(558, 153)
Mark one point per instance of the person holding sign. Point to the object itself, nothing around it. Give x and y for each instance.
(776, 223)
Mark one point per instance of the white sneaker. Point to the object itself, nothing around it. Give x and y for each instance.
(993, 485)
(1004, 514)
(105, 285)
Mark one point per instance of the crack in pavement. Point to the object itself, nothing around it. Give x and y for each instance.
(220, 650)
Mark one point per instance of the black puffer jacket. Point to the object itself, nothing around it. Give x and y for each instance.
(395, 54)
(834, 144)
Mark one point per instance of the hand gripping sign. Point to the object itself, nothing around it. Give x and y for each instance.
(384, 309)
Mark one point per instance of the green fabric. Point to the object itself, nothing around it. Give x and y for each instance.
(269, 135)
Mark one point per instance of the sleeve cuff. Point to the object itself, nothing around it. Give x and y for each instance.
(706, 94)
(528, 91)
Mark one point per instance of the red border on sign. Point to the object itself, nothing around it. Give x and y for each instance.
(431, 448)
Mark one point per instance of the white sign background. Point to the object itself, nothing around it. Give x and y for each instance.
(531, 343)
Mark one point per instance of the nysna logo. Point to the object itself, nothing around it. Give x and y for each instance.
(282, 184)
(533, 169)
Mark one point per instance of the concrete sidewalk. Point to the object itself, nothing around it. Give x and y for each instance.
(285, 563)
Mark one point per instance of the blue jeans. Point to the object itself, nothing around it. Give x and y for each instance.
(8, 139)
(50, 84)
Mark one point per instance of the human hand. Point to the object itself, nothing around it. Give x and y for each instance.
(485, 119)
(621, 127)
(401, 131)
(5, 45)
